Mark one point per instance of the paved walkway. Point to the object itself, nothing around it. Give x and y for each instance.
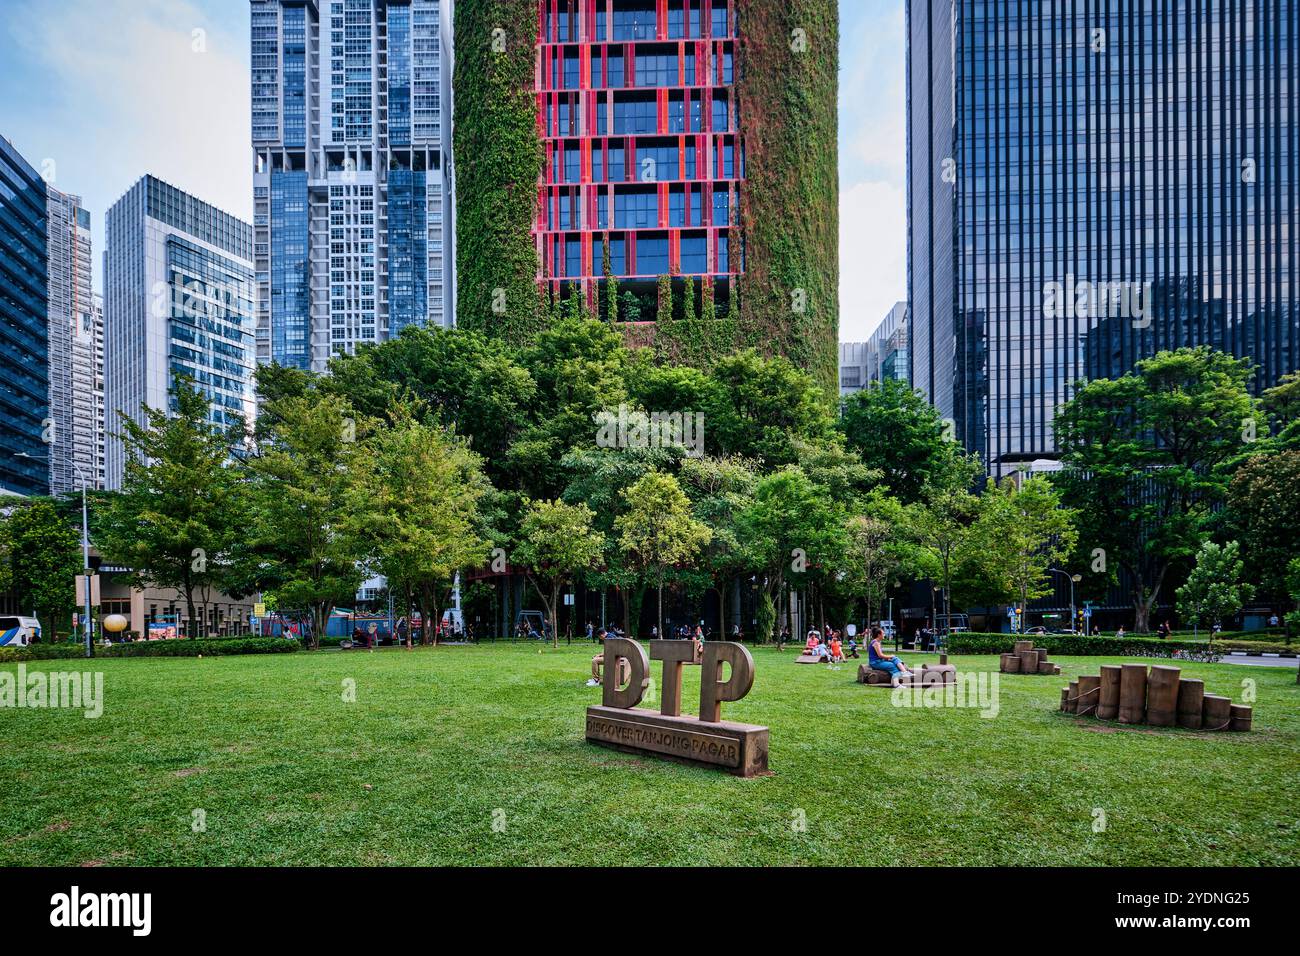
(1258, 661)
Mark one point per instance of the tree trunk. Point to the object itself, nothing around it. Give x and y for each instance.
(320, 622)
(553, 611)
(1142, 612)
(422, 602)
(407, 614)
(722, 587)
(659, 612)
(193, 624)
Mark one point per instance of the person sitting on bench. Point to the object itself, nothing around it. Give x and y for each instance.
(893, 666)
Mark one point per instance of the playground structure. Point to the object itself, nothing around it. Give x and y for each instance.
(1027, 659)
(1160, 697)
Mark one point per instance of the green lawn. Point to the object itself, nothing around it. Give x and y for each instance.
(439, 743)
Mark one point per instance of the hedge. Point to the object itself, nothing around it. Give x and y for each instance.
(176, 648)
(1078, 645)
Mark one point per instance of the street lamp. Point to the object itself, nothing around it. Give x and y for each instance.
(85, 543)
(1074, 579)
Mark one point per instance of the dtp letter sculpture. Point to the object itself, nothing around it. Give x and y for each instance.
(708, 739)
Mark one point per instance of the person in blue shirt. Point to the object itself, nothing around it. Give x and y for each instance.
(893, 666)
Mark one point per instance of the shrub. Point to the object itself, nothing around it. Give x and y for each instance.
(178, 648)
(1078, 645)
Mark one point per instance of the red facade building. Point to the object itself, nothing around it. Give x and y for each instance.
(638, 118)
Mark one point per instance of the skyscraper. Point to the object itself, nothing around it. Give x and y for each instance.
(604, 144)
(351, 187)
(883, 357)
(76, 387)
(24, 328)
(89, 435)
(641, 145)
(178, 301)
(1089, 183)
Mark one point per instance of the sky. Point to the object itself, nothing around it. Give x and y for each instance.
(96, 93)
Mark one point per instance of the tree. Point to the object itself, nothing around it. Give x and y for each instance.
(1264, 515)
(879, 550)
(6, 556)
(721, 490)
(1147, 461)
(180, 510)
(1282, 404)
(630, 306)
(599, 478)
(761, 408)
(557, 542)
(658, 531)
(44, 561)
(579, 368)
(1293, 590)
(416, 503)
(302, 528)
(790, 528)
(1025, 529)
(944, 521)
(688, 299)
(1214, 589)
(894, 429)
(666, 387)
(463, 379)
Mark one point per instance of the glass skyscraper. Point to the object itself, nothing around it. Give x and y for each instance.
(1091, 181)
(883, 357)
(178, 301)
(24, 327)
(351, 186)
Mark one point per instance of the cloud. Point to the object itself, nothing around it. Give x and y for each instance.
(130, 87)
(873, 104)
(873, 255)
(873, 167)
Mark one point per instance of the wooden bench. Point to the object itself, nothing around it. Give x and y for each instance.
(927, 675)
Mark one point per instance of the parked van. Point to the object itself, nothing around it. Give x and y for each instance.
(19, 631)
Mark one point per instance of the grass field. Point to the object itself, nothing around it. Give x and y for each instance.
(440, 743)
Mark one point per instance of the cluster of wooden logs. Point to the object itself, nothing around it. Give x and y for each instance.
(1160, 698)
(927, 675)
(1027, 659)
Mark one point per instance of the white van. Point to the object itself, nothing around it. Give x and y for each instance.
(19, 631)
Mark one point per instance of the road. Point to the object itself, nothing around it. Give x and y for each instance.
(1259, 661)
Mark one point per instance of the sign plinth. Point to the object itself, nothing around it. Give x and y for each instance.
(706, 740)
(738, 748)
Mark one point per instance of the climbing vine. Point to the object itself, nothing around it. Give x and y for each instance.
(498, 162)
(788, 88)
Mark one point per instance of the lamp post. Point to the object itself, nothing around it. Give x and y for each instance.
(1073, 579)
(85, 544)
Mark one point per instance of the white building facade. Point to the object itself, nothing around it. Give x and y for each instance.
(883, 356)
(351, 185)
(76, 349)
